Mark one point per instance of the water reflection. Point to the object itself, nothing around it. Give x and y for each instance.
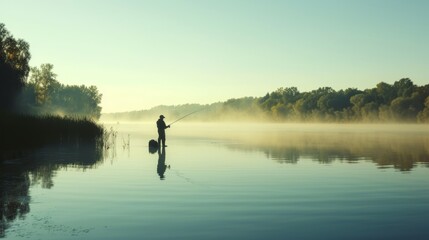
(401, 151)
(161, 167)
(19, 171)
(14, 198)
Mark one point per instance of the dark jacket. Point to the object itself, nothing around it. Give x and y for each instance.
(160, 124)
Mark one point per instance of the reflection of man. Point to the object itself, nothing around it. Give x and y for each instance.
(161, 163)
(160, 124)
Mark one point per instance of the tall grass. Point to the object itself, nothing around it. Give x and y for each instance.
(22, 131)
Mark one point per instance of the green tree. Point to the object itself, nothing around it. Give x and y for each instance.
(45, 83)
(404, 87)
(14, 68)
(403, 109)
(386, 92)
(423, 116)
(365, 106)
(79, 101)
(52, 97)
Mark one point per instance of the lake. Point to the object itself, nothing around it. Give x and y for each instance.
(224, 181)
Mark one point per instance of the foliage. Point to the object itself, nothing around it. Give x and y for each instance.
(44, 82)
(401, 101)
(45, 95)
(14, 68)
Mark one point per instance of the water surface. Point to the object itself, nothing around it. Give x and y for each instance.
(229, 181)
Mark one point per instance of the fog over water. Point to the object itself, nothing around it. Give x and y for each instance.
(388, 145)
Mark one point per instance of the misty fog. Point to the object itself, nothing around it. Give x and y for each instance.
(399, 145)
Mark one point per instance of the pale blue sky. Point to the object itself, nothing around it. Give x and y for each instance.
(142, 54)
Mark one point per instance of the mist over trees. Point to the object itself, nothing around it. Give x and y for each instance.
(45, 95)
(402, 101)
(41, 93)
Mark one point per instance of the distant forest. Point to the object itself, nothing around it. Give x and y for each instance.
(36, 91)
(402, 101)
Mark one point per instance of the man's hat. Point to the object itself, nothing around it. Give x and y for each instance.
(161, 116)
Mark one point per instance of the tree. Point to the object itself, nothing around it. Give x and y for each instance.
(14, 68)
(404, 87)
(45, 83)
(423, 116)
(282, 111)
(386, 92)
(52, 97)
(402, 108)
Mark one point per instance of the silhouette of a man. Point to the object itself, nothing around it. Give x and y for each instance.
(160, 124)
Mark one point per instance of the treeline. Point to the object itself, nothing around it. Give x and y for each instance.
(41, 93)
(38, 109)
(401, 101)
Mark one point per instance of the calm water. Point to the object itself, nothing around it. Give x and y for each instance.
(225, 181)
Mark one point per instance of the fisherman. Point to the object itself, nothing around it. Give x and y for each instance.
(161, 130)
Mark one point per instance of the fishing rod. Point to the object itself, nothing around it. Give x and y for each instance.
(186, 116)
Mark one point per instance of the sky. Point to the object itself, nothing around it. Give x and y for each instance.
(141, 54)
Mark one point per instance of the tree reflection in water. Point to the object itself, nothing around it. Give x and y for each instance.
(20, 171)
(14, 199)
(401, 151)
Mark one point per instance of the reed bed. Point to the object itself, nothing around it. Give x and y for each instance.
(22, 131)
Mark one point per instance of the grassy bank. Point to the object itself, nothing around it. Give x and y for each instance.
(23, 131)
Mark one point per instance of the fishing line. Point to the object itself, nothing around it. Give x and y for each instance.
(187, 115)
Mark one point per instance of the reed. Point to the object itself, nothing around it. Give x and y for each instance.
(23, 131)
